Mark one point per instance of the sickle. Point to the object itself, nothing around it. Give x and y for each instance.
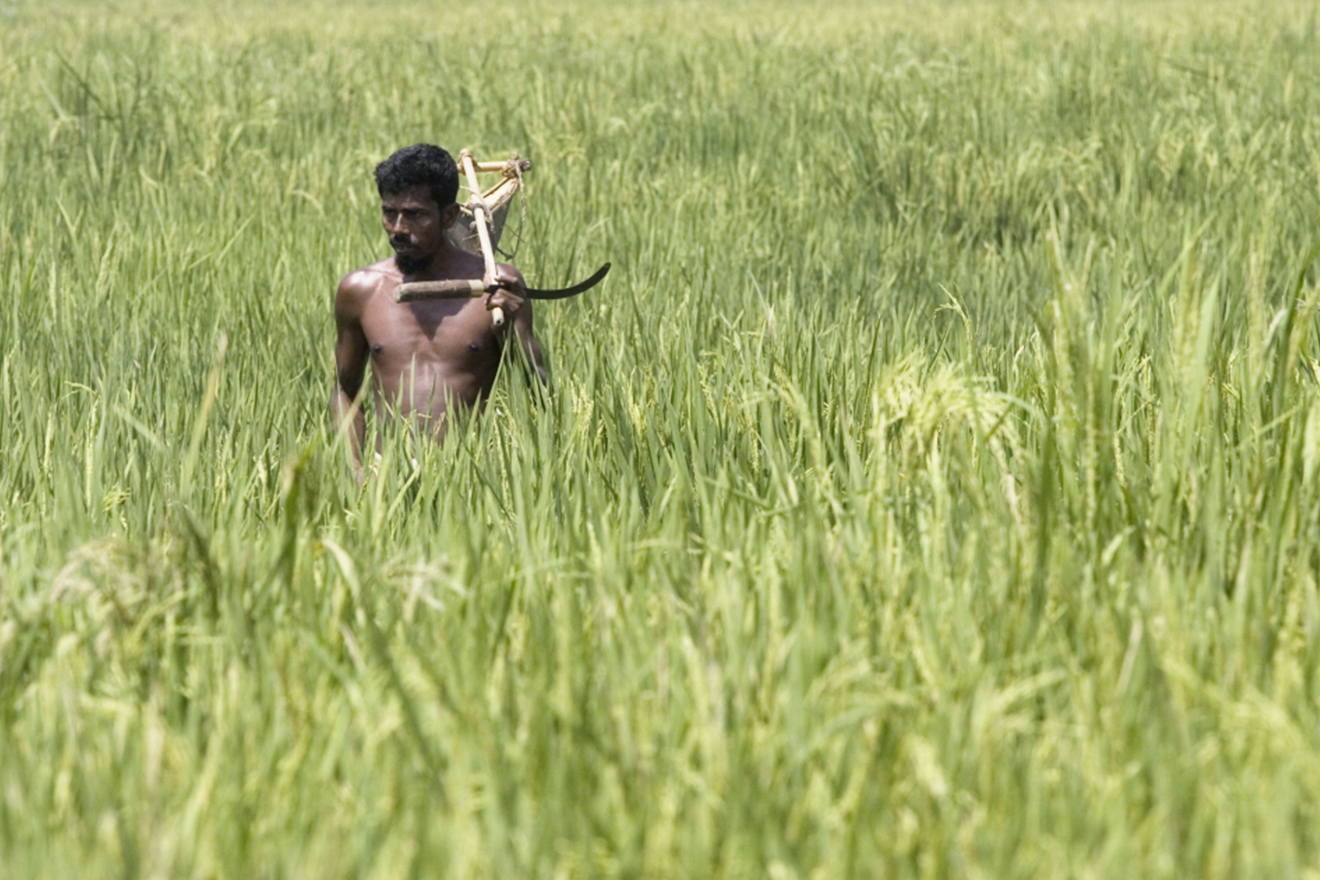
(565, 292)
(415, 290)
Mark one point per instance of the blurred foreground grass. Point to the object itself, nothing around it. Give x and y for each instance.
(931, 490)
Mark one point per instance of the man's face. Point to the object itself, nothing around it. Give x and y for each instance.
(416, 226)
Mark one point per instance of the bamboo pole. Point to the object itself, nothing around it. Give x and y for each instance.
(497, 200)
(510, 167)
(483, 229)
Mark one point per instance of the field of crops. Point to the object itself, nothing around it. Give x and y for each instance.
(932, 489)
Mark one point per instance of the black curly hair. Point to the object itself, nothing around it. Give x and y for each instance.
(420, 165)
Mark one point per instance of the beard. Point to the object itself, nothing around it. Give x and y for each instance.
(412, 265)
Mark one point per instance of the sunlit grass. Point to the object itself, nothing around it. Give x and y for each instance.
(931, 490)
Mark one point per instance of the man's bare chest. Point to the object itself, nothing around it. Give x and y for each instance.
(454, 333)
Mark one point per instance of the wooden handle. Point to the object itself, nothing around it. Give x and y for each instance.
(449, 289)
(455, 288)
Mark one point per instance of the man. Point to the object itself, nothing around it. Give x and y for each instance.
(430, 354)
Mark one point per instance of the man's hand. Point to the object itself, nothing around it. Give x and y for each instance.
(511, 293)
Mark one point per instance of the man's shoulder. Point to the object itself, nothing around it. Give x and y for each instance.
(361, 284)
(367, 279)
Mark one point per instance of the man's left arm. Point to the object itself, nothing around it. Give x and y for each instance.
(513, 299)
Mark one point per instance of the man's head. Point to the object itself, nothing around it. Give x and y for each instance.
(417, 187)
(420, 165)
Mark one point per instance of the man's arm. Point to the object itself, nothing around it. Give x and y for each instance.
(350, 363)
(522, 326)
(513, 299)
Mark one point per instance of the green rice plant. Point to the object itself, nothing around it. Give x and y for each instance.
(931, 489)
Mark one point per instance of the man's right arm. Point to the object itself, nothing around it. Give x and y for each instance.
(350, 362)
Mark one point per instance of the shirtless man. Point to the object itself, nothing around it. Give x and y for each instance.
(425, 355)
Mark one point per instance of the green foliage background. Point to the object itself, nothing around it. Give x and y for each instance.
(931, 490)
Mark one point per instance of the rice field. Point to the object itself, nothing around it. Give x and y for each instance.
(931, 490)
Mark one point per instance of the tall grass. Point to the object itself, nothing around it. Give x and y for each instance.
(931, 490)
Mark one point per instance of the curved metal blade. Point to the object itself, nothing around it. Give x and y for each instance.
(565, 292)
